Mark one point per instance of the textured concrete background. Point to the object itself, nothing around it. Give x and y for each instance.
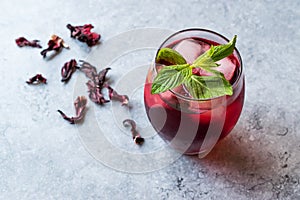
(42, 157)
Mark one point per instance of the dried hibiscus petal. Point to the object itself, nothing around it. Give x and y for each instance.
(55, 44)
(95, 93)
(113, 95)
(21, 42)
(89, 70)
(80, 105)
(102, 76)
(96, 82)
(84, 34)
(68, 69)
(135, 135)
(37, 79)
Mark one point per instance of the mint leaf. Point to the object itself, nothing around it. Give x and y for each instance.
(167, 55)
(216, 53)
(224, 50)
(206, 87)
(170, 77)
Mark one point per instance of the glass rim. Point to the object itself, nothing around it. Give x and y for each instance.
(234, 85)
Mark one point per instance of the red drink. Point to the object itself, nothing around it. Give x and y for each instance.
(194, 126)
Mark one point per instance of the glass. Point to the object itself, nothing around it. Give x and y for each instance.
(189, 125)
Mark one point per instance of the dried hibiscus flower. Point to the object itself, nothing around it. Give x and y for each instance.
(95, 93)
(21, 42)
(100, 79)
(91, 72)
(135, 135)
(80, 105)
(55, 43)
(37, 79)
(96, 84)
(68, 69)
(84, 34)
(113, 95)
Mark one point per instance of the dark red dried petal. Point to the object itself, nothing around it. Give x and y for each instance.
(37, 79)
(96, 83)
(135, 135)
(91, 85)
(113, 95)
(86, 29)
(68, 69)
(69, 119)
(95, 93)
(80, 105)
(21, 42)
(54, 44)
(89, 70)
(93, 39)
(84, 34)
(97, 97)
(102, 76)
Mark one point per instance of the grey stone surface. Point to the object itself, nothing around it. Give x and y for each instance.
(42, 156)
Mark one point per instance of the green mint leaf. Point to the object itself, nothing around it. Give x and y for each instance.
(216, 53)
(224, 50)
(206, 87)
(167, 55)
(170, 77)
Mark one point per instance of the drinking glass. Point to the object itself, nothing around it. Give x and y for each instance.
(189, 125)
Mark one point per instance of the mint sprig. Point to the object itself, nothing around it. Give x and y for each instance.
(200, 87)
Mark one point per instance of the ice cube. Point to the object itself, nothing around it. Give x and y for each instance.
(190, 49)
(227, 67)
